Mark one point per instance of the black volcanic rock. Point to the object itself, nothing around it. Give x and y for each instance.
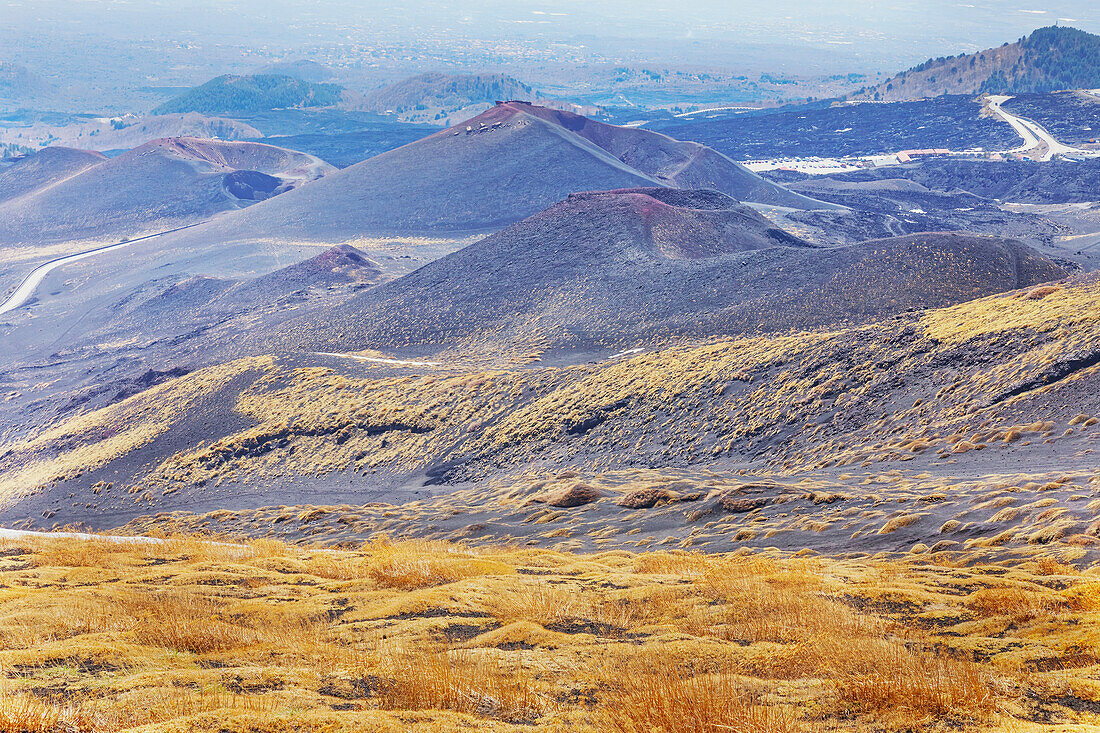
(251, 185)
(1053, 182)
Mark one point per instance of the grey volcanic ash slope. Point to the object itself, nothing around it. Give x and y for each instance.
(127, 132)
(507, 164)
(223, 309)
(172, 323)
(44, 168)
(159, 185)
(613, 267)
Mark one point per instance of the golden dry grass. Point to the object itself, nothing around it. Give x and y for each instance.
(190, 635)
(1043, 308)
(460, 681)
(654, 693)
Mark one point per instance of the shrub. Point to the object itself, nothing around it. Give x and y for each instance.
(459, 681)
(910, 690)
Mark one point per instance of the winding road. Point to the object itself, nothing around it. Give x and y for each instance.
(30, 283)
(685, 115)
(1033, 134)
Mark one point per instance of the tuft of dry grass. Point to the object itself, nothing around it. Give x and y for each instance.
(899, 522)
(88, 554)
(574, 608)
(28, 714)
(184, 622)
(1019, 604)
(409, 565)
(906, 690)
(460, 681)
(654, 694)
(405, 565)
(427, 636)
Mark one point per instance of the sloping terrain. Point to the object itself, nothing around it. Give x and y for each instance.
(157, 319)
(1053, 182)
(339, 136)
(129, 131)
(617, 267)
(343, 149)
(227, 309)
(879, 205)
(509, 163)
(442, 90)
(44, 168)
(1071, 117)
(835, 130)
(1049, 59)
(673, 162)
(160, 185)
(950, 396)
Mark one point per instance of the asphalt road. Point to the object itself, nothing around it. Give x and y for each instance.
(1032, 133)
(30, 283)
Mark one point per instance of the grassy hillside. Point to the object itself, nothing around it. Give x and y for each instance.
(1003, 381)
(1049, 59)
(1052, 58)
(187, 635)
(229, 95)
